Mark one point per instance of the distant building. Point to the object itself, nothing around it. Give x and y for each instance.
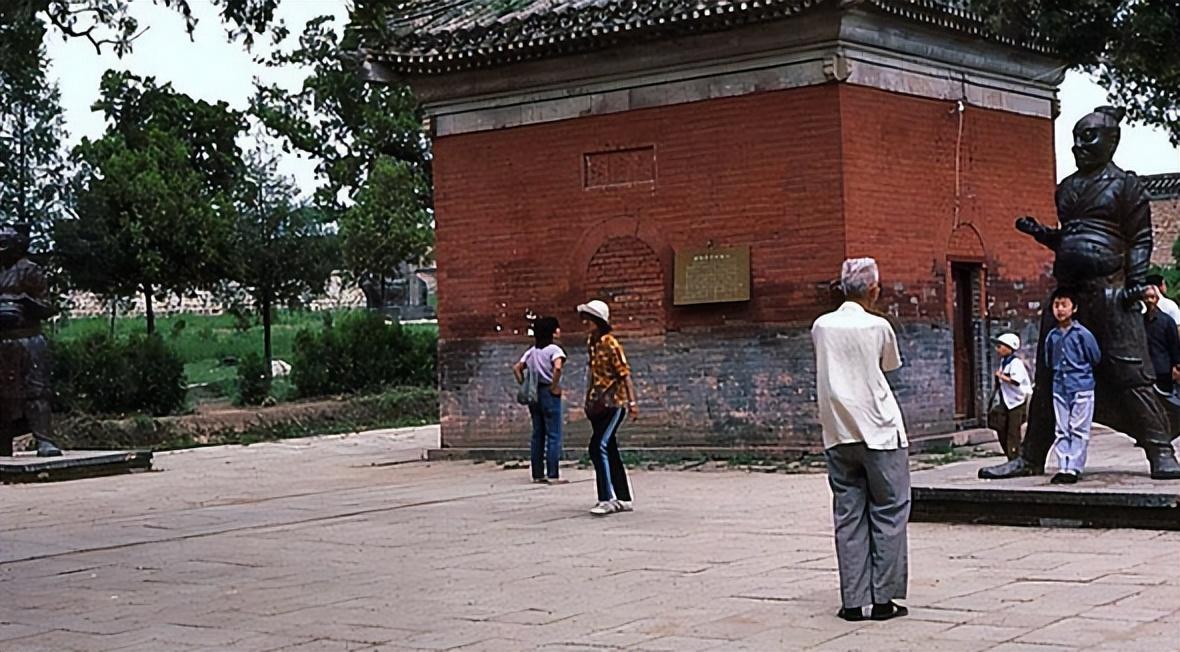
(1165, 214)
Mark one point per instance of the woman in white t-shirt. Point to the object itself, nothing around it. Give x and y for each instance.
(545, 359)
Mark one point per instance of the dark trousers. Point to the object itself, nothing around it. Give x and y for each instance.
(1164, 383)
(609, 471)
(1007, 422)
(1124, 397)
(546, 442)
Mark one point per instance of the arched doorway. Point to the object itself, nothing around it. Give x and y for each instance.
(628, 275)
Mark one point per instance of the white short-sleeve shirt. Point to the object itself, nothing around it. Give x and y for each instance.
(853, 350)
(1169, 308)
(1015, 394)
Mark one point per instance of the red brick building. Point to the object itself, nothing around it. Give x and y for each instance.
(579, 146)
(1165, 215)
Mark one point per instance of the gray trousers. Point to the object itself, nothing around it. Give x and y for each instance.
(1074, 419)
(871, 509)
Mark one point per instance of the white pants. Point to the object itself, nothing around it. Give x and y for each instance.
(1074, 419)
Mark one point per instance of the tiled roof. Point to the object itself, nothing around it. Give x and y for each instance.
(1162, 186)
(438, 36)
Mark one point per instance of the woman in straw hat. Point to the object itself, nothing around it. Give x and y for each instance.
(610, 396)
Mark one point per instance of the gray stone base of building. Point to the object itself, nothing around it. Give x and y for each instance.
(672, 454)
(741, 387)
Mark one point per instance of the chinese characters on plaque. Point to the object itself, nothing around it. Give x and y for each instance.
(713, 275)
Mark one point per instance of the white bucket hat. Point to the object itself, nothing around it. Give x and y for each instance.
(597, 308)
(1009, 340)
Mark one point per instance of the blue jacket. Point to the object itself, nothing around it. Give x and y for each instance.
(1072, 354)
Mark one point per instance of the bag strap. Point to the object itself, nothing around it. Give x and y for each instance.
(995, 390)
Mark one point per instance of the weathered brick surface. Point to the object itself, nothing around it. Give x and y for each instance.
(805, 177)
(1165, 217)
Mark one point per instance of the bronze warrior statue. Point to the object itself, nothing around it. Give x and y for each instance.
(24, 353)
(1102, 251)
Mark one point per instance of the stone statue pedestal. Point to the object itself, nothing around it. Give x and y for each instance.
(71, 465)
(1114, 492)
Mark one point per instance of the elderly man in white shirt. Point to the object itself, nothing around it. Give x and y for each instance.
(865, 447)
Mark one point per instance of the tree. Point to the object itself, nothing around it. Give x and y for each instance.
(153, 195)
(344, 122)
(282, 250)
(388, 225)
(108, 23)
(1130, 45)
(32, 168)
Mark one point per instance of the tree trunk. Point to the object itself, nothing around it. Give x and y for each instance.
(266, 350)
(148, 311)
(114, 316)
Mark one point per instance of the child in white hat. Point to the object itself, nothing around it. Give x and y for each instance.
(1013, 387)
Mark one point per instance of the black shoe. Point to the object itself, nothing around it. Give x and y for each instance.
(1016, 468)
(851, 614)
(1162, 460)
(45, 448)
(888, 611)
(1064, 478)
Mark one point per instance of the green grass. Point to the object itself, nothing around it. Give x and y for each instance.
(205, 341)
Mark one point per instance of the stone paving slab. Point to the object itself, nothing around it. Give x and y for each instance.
(354, 543)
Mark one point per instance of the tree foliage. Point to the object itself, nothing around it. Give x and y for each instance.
(108, 23)
(282, 252)
(32, 168)
(1132, 46)
(338, 118)
(388, 225)
(154, 211)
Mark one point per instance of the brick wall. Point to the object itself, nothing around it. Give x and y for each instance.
(540, 218)
(1165, 218)
(900, 197)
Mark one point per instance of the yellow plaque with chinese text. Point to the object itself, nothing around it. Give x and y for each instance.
(713, 275)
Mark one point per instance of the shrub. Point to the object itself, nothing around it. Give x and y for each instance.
(101, 375)
(361, 352)
(253, 381)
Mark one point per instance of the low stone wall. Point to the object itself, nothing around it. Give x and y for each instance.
(399, 407)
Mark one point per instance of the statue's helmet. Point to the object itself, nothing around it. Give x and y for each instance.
(1096, 137)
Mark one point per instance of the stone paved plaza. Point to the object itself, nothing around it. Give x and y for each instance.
(351, 543)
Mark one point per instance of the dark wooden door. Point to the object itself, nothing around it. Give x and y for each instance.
(966, 279)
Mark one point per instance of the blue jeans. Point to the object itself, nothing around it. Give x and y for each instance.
(609, 472)
(546, 443)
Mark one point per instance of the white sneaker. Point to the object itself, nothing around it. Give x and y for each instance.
(625, 505)
(604, 507)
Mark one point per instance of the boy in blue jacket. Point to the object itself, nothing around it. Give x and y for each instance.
(1072, 353)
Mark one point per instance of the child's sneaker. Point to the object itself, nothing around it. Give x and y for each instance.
(604, 507)
(625, 505)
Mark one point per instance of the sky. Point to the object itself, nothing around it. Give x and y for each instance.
(213, 69)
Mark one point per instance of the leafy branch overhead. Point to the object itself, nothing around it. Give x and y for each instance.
(338, 118)
(1132, 46)
(108, 23)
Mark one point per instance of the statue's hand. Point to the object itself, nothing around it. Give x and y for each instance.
(1130, 297)
(1030, 225)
